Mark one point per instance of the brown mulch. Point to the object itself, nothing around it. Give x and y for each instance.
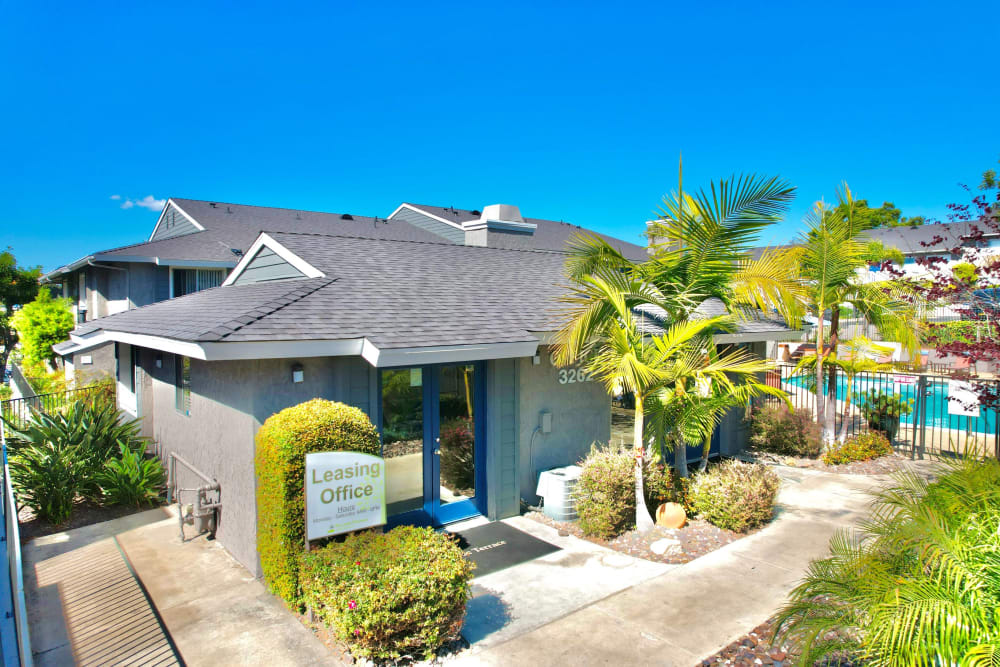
(696, 538)
(84, 514)
(758, 648)
(884, 465)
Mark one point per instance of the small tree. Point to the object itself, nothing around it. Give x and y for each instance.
(41, 324)
(18, 286)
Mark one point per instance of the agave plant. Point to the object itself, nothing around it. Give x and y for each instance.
(131, 479)
(919, 584)
(95, 427)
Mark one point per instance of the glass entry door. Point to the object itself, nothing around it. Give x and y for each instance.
(433, 442)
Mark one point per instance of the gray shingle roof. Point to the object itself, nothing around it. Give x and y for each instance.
(394, 293)
(654, 318)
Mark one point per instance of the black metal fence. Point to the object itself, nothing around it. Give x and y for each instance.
(17, 411)
(944, 416)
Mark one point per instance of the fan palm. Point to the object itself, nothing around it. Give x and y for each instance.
(853, 357)
(828, 258)
(919, 585)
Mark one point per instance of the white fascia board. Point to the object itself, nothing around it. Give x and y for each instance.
(62, 270)
(430, 215)
(445, 354)
(195, 263)
(473, 225)
(756, 337)
(281, 251)
(172, 345)
(182, 211)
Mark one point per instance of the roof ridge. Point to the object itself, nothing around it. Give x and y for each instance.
(267, 309)
(543, 251)
(276, 208)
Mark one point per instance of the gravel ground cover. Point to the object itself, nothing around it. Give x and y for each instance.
(884, 465)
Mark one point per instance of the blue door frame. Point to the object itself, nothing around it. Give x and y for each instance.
(433, 512)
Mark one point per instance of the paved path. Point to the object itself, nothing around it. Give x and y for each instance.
(129, 592)
(692, 611)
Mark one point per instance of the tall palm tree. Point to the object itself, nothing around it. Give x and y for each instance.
(700, 250)
(830, 257)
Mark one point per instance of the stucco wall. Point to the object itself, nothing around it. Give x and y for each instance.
(102, 363)
(229, 401)
(581, 415)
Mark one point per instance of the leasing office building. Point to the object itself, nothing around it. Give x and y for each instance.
(432, 321)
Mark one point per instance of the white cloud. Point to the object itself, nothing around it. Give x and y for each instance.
(149, 201)
(152, 204)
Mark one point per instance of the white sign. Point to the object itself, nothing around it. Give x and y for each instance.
(345, 491)
(962, 399)
(904, 379)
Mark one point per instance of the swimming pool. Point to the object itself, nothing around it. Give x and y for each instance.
(936, 401)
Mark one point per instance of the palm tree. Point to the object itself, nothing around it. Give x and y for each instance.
(701, 250)
(919, 585)
(853, 357)
(829, 257)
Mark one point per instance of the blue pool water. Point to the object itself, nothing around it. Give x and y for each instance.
(937, 402)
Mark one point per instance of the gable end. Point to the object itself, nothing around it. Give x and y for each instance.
(174, 222)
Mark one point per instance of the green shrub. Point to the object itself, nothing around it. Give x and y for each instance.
(41, 324)
(883, 411)
(131, 479)
(281, 447)
(735, 495)
(48, 478)
(779, 430)
(863, 447)
(605, 492)
(919, 584)
(388, 595)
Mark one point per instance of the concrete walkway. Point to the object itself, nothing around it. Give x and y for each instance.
(185, 603)
(687, 614)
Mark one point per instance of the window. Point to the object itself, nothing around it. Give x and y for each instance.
(182, 384)
(189, 281)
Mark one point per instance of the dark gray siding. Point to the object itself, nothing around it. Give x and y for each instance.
(422, 221)
(504, 498)
(173, 223)
(267, 266)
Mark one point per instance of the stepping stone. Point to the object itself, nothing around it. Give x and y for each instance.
(660, 547)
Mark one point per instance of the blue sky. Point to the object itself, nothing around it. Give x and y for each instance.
(570, 110)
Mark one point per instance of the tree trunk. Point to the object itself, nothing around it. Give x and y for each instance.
(845, 422)
(820, 395)
(680, 457)
(831, 382)
(706, 449)
(643, 520)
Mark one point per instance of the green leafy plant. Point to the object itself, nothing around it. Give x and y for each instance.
(131, 479)
(734, 495)
(779, 430)
(458, 454)
(919, 584)
(863, 447)
(41, 324)
(605, 492)
(883, 411)
(389, 595)
(49, 477)
(281, 446)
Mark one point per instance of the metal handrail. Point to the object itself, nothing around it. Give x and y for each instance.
(201, 509)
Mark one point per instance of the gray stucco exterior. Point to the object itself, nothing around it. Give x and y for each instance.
(581, 416)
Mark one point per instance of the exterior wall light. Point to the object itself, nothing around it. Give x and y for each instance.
(159, 360)
(536, 360)
(298, 374)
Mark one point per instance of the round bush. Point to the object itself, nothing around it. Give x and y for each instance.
(734, 495)
(863, 447)
(605, 493)
(779, 430)
(388, 595)
(282, 444)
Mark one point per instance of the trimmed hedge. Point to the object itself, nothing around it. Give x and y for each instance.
(389, 595)
(736, 496)
(863, 447)
(282, 444)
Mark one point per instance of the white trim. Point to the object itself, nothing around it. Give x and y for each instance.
(195, 263)
(164, 212)
(756, 337)
(416, 356)
(281, 251)
(474, 225)
(456, 225)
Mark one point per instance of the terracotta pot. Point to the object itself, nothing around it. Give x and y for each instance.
(671, 515)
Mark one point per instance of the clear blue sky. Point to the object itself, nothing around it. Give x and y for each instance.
(570, 111)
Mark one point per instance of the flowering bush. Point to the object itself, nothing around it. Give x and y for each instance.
(605, 493)
(864, 447)
(735, 495)
(389, 595)
(779, 430)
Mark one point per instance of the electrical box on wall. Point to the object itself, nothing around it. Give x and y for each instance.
(545, 421)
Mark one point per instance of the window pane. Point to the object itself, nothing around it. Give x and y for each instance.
(182, 384)
(458, 433)
(403, 439)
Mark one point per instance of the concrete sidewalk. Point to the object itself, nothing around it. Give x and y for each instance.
(689, 613)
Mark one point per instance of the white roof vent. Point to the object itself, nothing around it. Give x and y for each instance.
(502, 213)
